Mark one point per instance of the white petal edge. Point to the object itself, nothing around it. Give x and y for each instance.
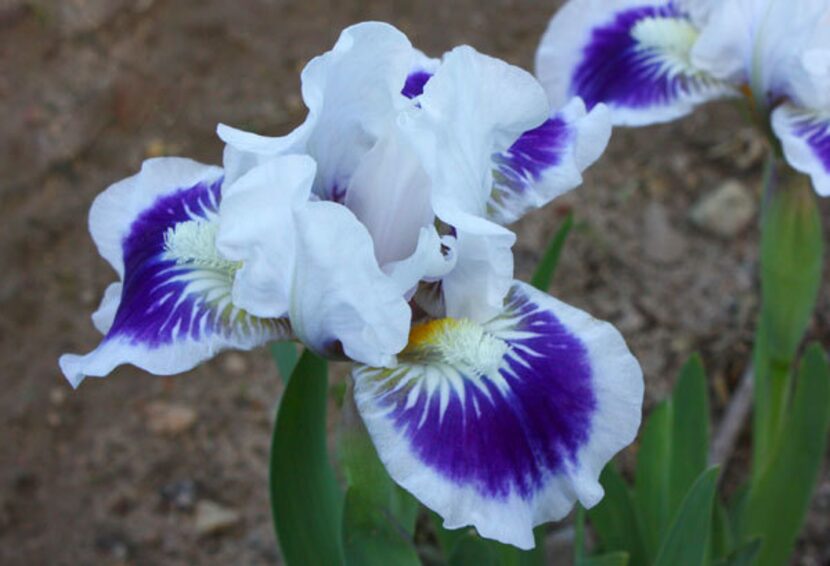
(800, 155)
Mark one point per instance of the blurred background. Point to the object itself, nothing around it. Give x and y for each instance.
(138, 469)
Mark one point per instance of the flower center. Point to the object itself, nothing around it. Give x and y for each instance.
(458, 342)
(194, 242)
(671, 38)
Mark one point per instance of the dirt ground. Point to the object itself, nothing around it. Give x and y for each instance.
(124, 470)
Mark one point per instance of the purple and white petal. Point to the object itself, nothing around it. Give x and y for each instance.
(352, 93)
(805, 138)
(633, 55)
(547, 161)
(504, 426)
(172, 308)
(420, 73)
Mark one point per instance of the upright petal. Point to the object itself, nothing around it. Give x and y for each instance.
(548, 160)
(805, 138)
(173, 307)
(633, 55)
(759, 43)
(390, 194)
(343, 304)
(257, 229)
(505, 425)
(352, 93)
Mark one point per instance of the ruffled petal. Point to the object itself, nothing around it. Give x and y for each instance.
(174, 309)
(352, 93)
(505, 425)
(257, 229)
(805, 137)
(633, 55)
(343, 304)
(547, 161)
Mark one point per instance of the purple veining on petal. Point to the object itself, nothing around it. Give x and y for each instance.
(534, 152)
(415, 82)
(817, 135)
(155, 308)
(618, 71)
(508, 442)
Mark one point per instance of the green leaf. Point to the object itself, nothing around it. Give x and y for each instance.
(370, 538)
(503, 554)
(614, 518)
(743, 556)
(791, 265)
(686, 541)
(285, 355)
(722, 539)
(547, 265)
(306, 501)
(651, 493)
(471, 550)
(379, 517)
(610, 559)
(690, 437)
(778, 501)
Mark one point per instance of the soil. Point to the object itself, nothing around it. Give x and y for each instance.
(90, 88)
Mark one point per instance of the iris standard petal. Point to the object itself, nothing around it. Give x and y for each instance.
(352, 93)
(158, 230)
(633, 55)
(805, 138)
(343, 304)
(505, 425)
(548, 160)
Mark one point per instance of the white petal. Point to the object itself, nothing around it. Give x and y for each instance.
(759, 42)
(103, 317)
(390, 194)
(428, 261)
(257, 228)
(341, 297)
(805, 138)
(506, 425)
(352, 93)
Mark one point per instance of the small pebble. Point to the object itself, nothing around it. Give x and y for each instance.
(726, 211)
(213, 518)
(169, 418)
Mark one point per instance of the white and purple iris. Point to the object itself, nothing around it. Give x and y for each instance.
(652, 61)
(375, 232)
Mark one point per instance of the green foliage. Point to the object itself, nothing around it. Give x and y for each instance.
(379, 517)
(686, 541)
(777, 502)
(614, 518)
(285, 355)
(547, 265)
(791, 262)
(671, 502)
(306, 501)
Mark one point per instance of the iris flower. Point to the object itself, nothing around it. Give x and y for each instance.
(653, 61)
(374, 232)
